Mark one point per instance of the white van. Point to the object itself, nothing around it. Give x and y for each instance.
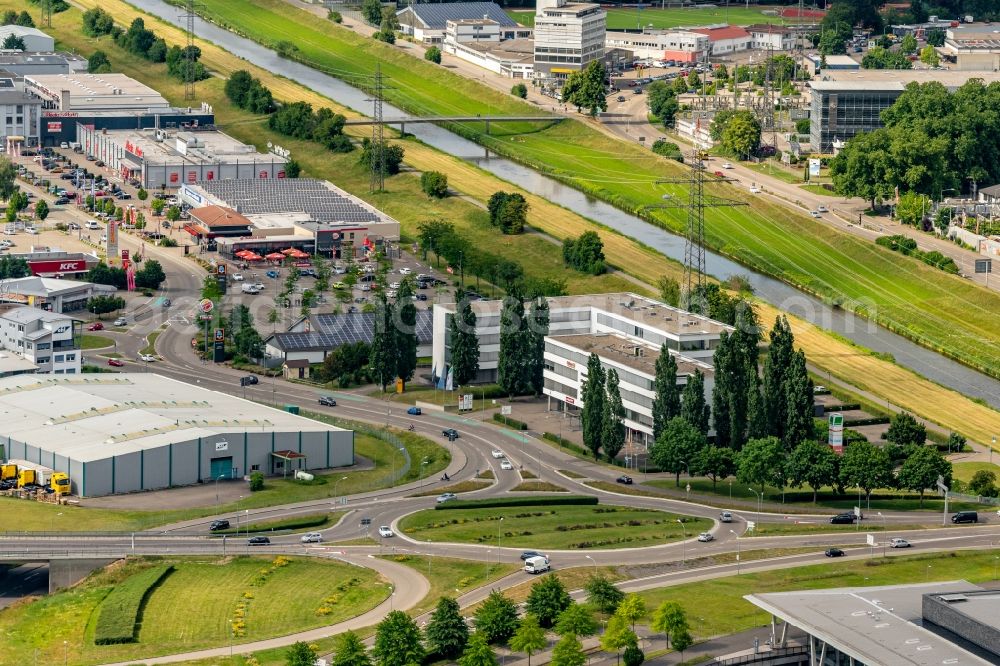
(250, 289)
(536, 565)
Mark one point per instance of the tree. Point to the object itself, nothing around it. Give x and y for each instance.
(496, 618)
(300, 654)
(537, 329)
(382, 357)
(905, 430)
(983, 483)
(761, 462)
(633, 656)
(397, 641)
(618, 635)
(478, 652)
(406, 332)
(693, 80)
(929, 56)
(24, 20)
(371, 11)
(669, 619)
(612, 426)
(715, 462)
(509, 211)
(676, 448)
(174, 213)
(97, 22)
(586, 253)
(387, 159)
(13, 43)
(142, 194)
(464, 341)
(799, 398)
(98, 62)
(150, 276)
(13, 267)
(433, 54)
(157, 206)
(350, 651)
(514, 364)
(882, 58)
(292, 169)
(547, 599)
(779, 359)
(662, 101)
(519, 90)
(911, 209)
(865, 466)
(529, 637)
(814, 464)
(935, 37)
(908, 44)
(387, 29)
(693, 407)
(576, 620)
(100, 305)
(434, 184)
(631, 609)
(568, 652)
(594, 396)
(602, 594)
(681, 640)
(585, 89)
(741, 136)
(670, 291)
(921, 470)
(680, 85)
(41, 210)
(666, 394)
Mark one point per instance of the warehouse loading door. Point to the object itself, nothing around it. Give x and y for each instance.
(222, 468)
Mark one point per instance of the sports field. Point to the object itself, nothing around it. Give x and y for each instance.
(676, 17)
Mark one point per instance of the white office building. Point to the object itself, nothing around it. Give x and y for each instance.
(682, 46)
(46, 339)
(568, 36)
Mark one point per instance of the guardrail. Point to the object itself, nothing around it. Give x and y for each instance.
(767, 656)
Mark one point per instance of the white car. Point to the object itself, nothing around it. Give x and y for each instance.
(898, 543)
(148, 358)
(497, 453)
(31, 230)
(93, 225)
(385, 532)
(237, 277)
(706, 536)
(390, 293)
(312, 537)
(754, 189)
(121, 321)
(405, 271)
(505, 464)
(814, 213)
(823, 209)
(394, 285)
(727, 165)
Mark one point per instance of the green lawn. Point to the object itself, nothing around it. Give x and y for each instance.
(672, 18)
(88, 341)
(716, 607)
(451, 576)
(963, 471)
(769, 168)
(150, 347)
(192, 608)
(817, 189)
(553, 527)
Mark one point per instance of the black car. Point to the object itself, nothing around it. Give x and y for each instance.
(450, 433)
(327, 400)
(61, 201)
(218, 525)
(624, 479)
(258, 541)
(123, 195)
(251, 380)
(965, 517)
(529, 554)
(420, 297)
(843, 519)
(834, 552)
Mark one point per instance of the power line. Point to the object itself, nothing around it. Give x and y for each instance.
(189, 53)
(378, 147)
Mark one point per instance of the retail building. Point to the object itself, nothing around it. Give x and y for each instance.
(54, 295)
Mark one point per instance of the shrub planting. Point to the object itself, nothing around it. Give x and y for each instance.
(119, 614)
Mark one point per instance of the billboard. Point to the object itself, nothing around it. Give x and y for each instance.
(465, 402)
(836, 438)
(112, 248)
(814, 166)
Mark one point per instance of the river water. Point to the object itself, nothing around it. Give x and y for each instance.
(907, 354)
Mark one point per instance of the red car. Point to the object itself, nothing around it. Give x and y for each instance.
(96, 326)
(115, 363)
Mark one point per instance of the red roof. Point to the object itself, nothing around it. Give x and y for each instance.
(729, 32)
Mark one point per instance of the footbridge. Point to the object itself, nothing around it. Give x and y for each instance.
(402, 122)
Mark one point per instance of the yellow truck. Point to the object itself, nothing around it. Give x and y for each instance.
(60, 483)
(25, 477)
(8, 471)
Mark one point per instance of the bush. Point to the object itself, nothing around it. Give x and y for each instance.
(119, 612)
(802, 126)
(540, 500)
(565, 443)
(248, 93)
(585, 254)
(434, 184)
(509, 422)
(509, 211)
(519, 90)
(433, 54)
(668, 149)
(335, 16)
(633, 656)
(908, 246)
(256, 481)
(393, 156)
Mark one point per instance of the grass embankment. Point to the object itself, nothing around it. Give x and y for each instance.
(450, 576)
(553, 527)
(717, 607)
(315, 521)
(88, 342)
(192, 608)
(673, 17)
(943, 406)
(118, 619)
(964, 471)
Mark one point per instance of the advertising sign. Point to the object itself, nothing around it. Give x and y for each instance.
(56, 266)
(222, 446)
(814, 166)
(54, 126)
(206, 305)
(984, 265)
(836, 438)
(505, 410)
(112, 248)
(465, 401)
(220, 334)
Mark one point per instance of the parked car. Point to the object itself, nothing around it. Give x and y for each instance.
(898, 543)
(312, 537)
(96, 326)
(61, 201)
(621, 98)
(258, 541)
(272, 274)
(446, 497)
(624, 479)
(450, 433)
(385, 532)
(420, 297)
(115, 363)
(327, 400)
(505, 464)
(218, 525)
(705, 537)
(834, 552)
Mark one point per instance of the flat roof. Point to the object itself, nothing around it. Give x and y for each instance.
(896, 79)
(622, 350)
(27, 314)
(876, 625)
(97, 90)
(10, 362)
(515, 50)
(92, 417)
(627, 305)
(212, 146)
(48, 287)
(39, 58)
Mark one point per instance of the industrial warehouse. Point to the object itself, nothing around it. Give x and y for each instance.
(131, 432)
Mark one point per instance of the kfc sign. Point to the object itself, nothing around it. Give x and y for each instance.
(134, 149)
(74, 266)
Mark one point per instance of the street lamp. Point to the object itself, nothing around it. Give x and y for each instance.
(423, 462)
(595, 563)
(336, 483)
(760, 500)
(217, 490)
(885, 537)
(498, 540)
(684, 532)
(738, 550)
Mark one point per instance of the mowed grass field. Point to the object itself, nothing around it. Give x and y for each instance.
(941, 311)
(557, 527)
(675, 17)
(192, 608)
(943, 406)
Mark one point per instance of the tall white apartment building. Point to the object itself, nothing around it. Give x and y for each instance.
(568, 36)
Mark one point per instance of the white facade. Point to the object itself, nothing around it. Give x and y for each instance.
(634, 361)
(677, 45)
(774, 37)
(726, 40)
(20, 116)
(475, 31)
(568, 36)
(692, 335)
(34, 39)
(43, 338)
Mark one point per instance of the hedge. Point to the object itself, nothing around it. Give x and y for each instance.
(489, 502)
(509, 422)
(566, 444)
(875, 420)
(848, 407)
(119, 616)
